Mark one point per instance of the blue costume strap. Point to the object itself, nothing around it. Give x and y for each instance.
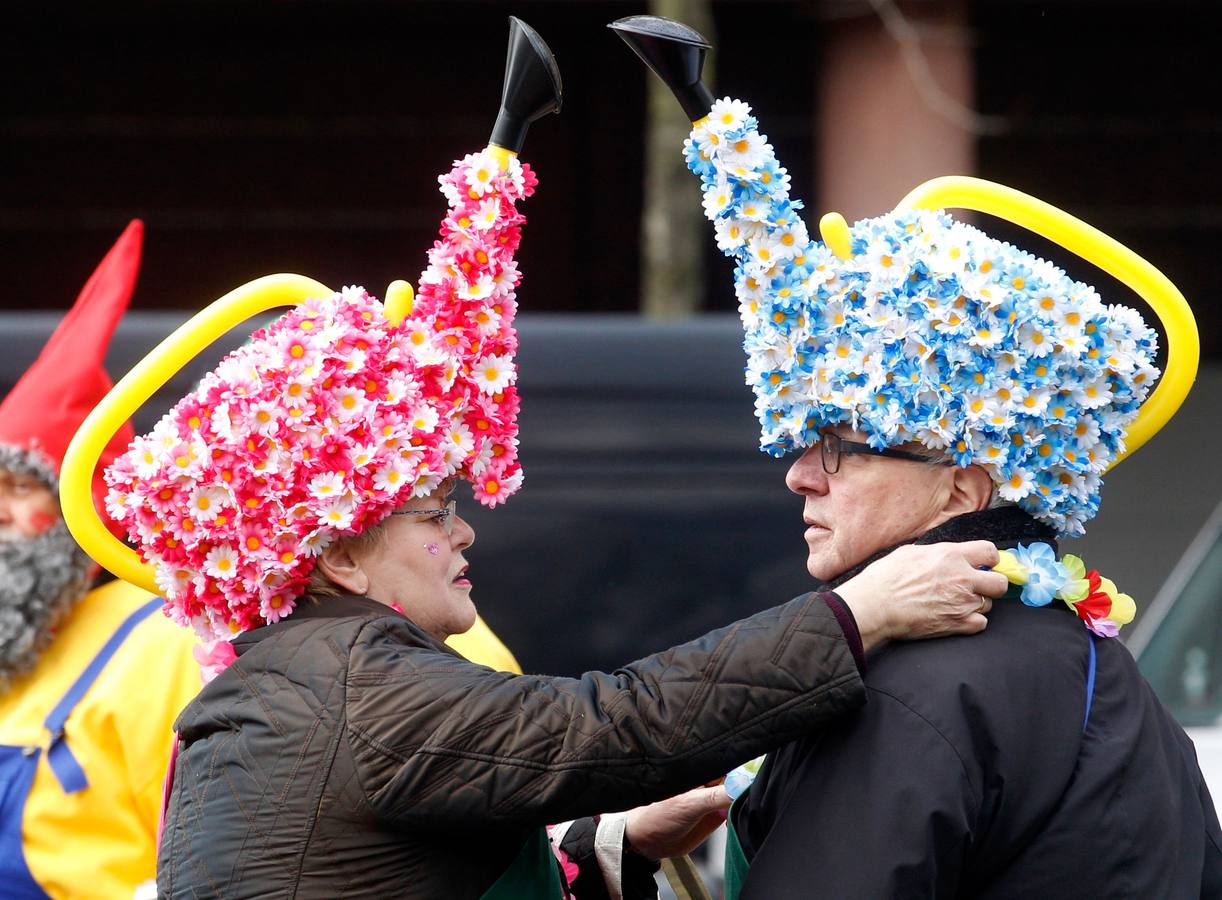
(69, 772)
(1090, 680)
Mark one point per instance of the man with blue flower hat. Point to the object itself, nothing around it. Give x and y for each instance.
(941, 385)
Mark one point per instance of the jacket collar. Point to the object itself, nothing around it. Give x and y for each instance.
(1006, 526)
(343, 606)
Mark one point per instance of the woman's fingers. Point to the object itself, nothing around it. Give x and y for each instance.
(925, 591)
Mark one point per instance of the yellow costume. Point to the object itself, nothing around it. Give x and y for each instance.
(481, 646)
(100, 842)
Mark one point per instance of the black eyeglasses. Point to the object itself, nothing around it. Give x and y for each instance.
(445, 515)
(832, 446)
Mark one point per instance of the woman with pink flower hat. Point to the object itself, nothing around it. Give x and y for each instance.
(296, 507)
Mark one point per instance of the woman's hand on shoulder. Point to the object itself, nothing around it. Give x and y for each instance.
(678, 825)
(924, 591)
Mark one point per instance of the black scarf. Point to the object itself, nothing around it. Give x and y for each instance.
(1006, 526)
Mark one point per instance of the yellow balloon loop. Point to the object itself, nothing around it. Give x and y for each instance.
(400, 298)
(835, 232)
(1088, 242)
(137, 386)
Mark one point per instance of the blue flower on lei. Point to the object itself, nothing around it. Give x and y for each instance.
(1045, 576)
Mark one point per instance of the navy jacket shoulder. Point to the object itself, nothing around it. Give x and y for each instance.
(974, 770)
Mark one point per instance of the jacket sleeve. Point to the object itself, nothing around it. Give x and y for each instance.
(843, 810)
(439, 740)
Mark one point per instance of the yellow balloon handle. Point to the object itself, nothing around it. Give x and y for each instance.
(1183, 341)
(400, 298)
(835, 233)
(137, 386)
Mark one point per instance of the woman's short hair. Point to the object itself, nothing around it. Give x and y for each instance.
(371, 538)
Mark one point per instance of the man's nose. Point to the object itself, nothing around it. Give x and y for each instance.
(806, 475)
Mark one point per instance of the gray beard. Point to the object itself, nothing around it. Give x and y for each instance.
(41, 580)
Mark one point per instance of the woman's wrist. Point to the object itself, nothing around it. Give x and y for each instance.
(869, 611)
(848, 624)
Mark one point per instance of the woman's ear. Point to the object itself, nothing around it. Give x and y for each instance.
(971, 490)
(339, 564)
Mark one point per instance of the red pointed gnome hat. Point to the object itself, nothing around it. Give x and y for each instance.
(45, 408)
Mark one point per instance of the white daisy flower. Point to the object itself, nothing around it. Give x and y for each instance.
(171, 579)
(988, 448)
(478, 289)
(327, 486)
(391, 477)
(206, 503)
(745, 153)
(486, 214)
(793, 238)
(116, 504)
(316, 541)
(1018, 484)
(717, 197)
(755, 209)
(1093, 393)
(221, 562)
(1035, 339)
(727, 115)
(732, 233)
(481, 170)
(350, 403)
(979, 406)
(362, 455)
(336, 514)
(766, 249)
(398, 386)
(145, 455)
(222, 425)
(494, 373)
(423, 418)
(263, 418)
(486, 320)
(988, 332)
(1034, 401)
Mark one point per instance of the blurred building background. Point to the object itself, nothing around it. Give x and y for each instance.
(306, 135)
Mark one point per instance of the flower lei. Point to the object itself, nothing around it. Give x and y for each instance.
(330, 417)
(1034, 567)
(932, 331)
(1094, 599)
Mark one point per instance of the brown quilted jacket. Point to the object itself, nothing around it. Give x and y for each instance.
(348, 754)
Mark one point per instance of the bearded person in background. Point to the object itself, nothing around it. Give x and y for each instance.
(42, 571)
(90, 680)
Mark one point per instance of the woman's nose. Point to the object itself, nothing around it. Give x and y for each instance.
(806, 475)
(463, 535)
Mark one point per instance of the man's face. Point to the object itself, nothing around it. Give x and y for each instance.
(27, 506)
(871, 503)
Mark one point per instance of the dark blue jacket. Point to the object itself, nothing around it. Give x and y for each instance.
(973, 772)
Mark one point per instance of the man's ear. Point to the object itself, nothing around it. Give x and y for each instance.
(971, 490)
(339, 564)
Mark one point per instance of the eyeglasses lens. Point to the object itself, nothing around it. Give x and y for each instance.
(830, 452)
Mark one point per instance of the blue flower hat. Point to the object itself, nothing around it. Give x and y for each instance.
(925, 330)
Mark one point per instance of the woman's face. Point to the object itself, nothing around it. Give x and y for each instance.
(420, 568)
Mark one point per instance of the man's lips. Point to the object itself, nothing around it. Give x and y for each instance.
(460, 579)
(814, 527)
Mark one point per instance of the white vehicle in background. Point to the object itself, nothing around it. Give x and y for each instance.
(1178, 645)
